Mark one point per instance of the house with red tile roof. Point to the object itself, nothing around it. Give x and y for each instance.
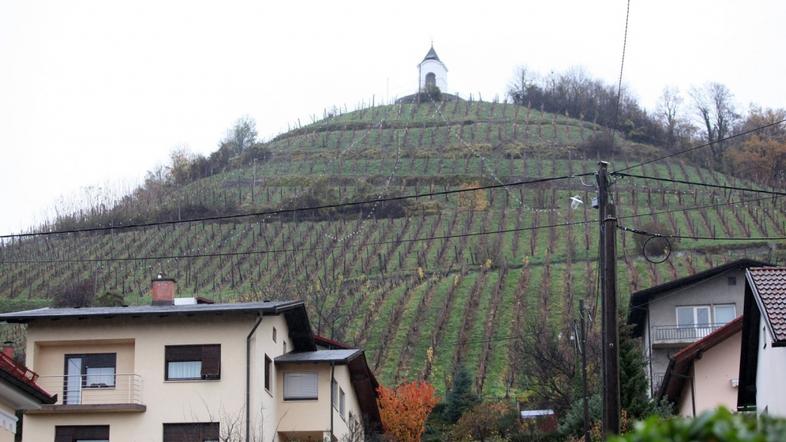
(704, 375)
(763, 357)
(18, 390)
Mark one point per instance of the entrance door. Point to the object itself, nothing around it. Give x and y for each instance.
(73, 381)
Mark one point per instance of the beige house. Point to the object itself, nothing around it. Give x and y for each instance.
(705, 374)
(184, 369)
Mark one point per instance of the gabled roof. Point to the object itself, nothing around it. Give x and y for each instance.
(769, 291)
(679, 366)
(640, 299)
(432, 55)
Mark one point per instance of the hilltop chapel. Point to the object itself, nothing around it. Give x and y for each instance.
(432, 81)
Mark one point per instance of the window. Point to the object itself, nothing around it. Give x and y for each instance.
(285, 347)
(431, 80)
(732, 280)
(82, 433)
(184, 362)
(274, 334)
(300, 386)
(268, 373)
(95, 370)
(341, 402)
(725, 313)
(693, 316)
(191, 432)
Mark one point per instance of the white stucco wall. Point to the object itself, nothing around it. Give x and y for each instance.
(440, 73)
(770, 378)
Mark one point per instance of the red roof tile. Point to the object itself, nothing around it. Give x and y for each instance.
(769, 286)
(23, 374)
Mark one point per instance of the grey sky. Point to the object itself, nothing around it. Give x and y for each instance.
(97, 92)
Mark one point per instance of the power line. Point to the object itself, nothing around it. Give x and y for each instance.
(701, 146)
(292, 250)
(696, 183)
(405, 240)
(293, 209)
(699, 237)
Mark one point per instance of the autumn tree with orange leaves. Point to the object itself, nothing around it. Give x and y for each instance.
(404, 409)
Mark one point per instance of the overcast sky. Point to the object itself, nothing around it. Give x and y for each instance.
(98, 92)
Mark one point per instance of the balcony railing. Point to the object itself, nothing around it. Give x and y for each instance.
(682, 333)
(94, 389)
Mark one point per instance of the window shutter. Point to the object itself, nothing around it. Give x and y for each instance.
(300, 385)
(211, 361)
(101, 360)
(191, 432)
(183, 353)
(70, 433)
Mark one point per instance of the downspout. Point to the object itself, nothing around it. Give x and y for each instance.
(693, 390)
(332, 382)
(649, 354)
(248, 376)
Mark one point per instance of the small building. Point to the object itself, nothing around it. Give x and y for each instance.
(704, 375)
(763, 358)
(432, 72)
(670, 316)
(186, 369)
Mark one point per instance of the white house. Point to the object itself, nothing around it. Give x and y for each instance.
(762, 384)
(432, 72)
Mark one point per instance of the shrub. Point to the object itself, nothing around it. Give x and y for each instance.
(719, 426)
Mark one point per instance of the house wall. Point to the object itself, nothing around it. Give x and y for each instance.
(264, 415)
(662, 310)
(8, 411)
(166, 401)
(314, 415)
(770, 379)
(440, 74)
(713, 374)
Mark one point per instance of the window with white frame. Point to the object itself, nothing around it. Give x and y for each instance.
(725, 313)
(301, 386)
(693, 316)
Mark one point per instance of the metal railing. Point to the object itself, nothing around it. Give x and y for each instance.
(682, 333)
(94, 389)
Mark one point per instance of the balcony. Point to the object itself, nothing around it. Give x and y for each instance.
(101, 393)
(670, 335)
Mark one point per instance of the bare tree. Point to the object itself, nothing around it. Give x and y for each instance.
(668, 112)
(243, 135)
(714, 104)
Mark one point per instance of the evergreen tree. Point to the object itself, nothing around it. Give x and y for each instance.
(460, 398)
(633, 378)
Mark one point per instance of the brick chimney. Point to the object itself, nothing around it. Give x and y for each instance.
(163, 290)
(8, 349)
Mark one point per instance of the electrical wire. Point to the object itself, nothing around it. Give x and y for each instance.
(701, 146)
(696, 183)
(292, 250)
(700, 237)
(291, 210)
(405, 240)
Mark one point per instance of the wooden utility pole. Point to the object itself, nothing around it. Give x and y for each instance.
(608, 290)
(584, 392)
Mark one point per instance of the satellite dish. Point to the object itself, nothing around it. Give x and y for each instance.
(575, 202)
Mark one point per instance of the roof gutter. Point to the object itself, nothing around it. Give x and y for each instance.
(248, 375)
